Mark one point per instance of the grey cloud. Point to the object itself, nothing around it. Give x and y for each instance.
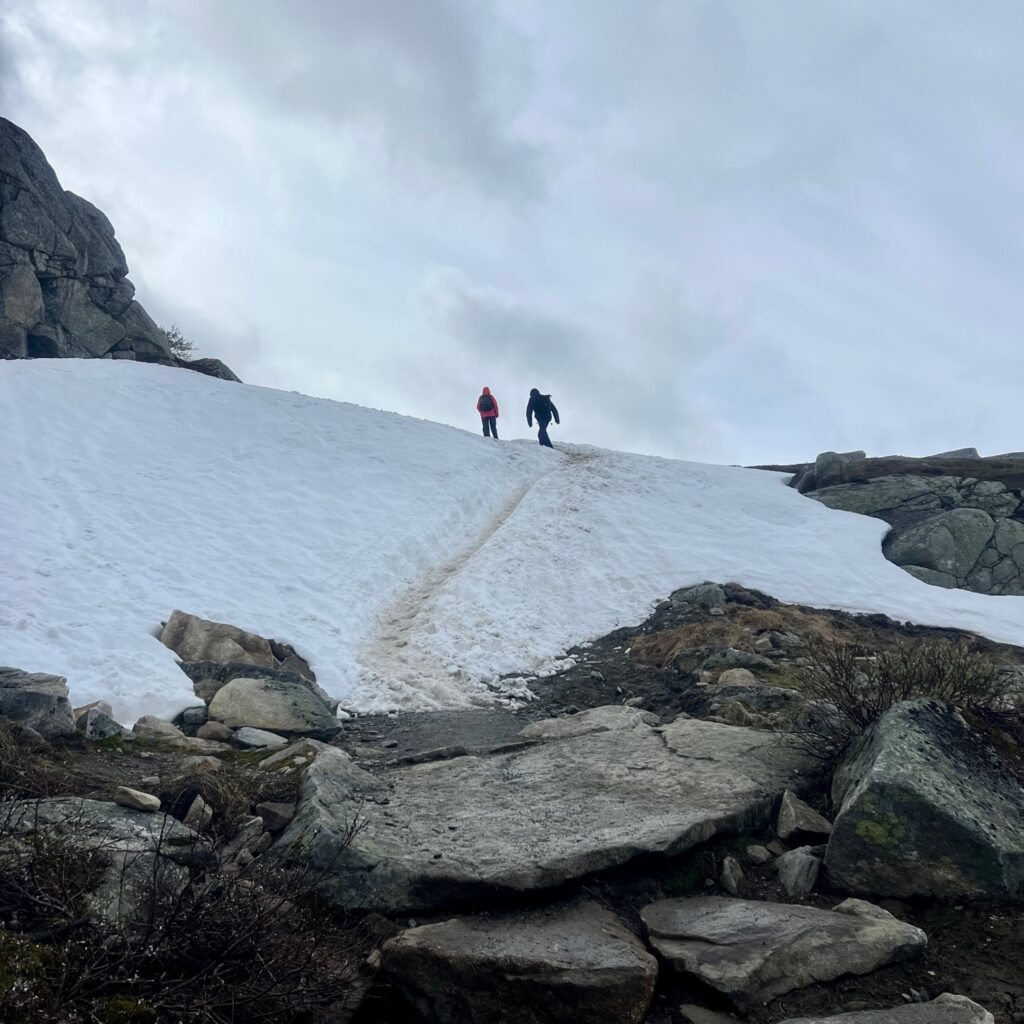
(422, 79)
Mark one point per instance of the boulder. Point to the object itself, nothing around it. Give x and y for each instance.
(195, 639)
(926, 809)
(799, 824)
(832, 468)
(752, 951)
(732, 876)
(738, 676)
(36, 701)
(577, 964)
(134, 849)
(947, 1009)
(289, 709)
(209, 676)
(452, 832)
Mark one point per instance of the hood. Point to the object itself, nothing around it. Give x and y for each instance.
(534, 393)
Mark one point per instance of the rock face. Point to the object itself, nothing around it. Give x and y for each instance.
(948, 529)
(926, 810)
(64, 289)
(37, 701)
(285, 709)
(577, 964)
(947, 1009)
(752, 951)
(452, 832)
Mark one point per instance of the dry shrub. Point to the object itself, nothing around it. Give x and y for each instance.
(737, 628)
(847, 691)
(250, 946)
(33, 769)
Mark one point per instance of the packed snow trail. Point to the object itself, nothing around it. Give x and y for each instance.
(130, 490)
(398, 656)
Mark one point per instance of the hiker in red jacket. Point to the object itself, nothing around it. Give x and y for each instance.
(487, 406)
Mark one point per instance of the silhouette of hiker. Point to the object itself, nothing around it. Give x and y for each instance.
(487, 406)
(543, 408)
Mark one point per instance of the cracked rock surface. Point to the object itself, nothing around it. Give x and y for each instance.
(456, 831)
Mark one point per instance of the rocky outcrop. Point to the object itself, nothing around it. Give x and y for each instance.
(925, 809)
(957, 519)
(64, 289)
(458, 831)
(752, 952)
(947, 1009)
(577, 964)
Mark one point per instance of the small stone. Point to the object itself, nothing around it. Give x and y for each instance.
(732, 875)
(214, 730)
(633, 702)
(199, 814)
(737, 677)
(763, 644)
(201, 763)
(799, 824)
(798, 872)
(136, 799)
(150, 780)
(597, 676)
(758, 854)
(717, 611)
(276, 816)
(250, 737)
(98, 705)
(389, 744)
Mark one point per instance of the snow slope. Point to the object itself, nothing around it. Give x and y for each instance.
(411, 563)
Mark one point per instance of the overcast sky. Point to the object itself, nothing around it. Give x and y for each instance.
(730, 231)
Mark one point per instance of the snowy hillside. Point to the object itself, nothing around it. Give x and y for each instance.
(410, 563)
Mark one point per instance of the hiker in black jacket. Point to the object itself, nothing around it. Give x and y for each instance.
(543, 408)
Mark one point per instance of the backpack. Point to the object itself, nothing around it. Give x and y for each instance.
(542, 407)
(486, 403)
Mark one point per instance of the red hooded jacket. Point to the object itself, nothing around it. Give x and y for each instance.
(488, 413)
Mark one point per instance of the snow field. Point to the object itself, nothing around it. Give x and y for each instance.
(411, 563)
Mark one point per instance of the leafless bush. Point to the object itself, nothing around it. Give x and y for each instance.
(847, 690)
(246, 945)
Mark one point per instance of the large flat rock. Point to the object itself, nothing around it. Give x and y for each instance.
(459, 831)
(947, 1009)
(925, 809)
(752, 951)
(577, 964)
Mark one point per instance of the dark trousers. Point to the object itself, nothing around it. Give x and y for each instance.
(542, 433)
(490, 426)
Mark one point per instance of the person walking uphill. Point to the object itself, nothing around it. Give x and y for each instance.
(487, 406)
(543, 408)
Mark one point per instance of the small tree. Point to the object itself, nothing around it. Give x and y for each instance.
(179, 345)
